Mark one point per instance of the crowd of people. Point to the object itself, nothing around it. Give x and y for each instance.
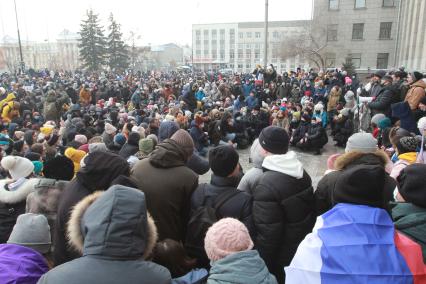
(100, 177)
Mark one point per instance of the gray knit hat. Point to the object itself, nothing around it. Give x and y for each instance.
(361, 142)
(33, 231)
(377, 117)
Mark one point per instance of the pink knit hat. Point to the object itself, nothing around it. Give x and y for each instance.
(82, 139)
(348, 80)
(225, 237)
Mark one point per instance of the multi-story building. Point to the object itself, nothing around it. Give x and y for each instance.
(240, 46)
(361, 31)
(411, 38)
(68, 52)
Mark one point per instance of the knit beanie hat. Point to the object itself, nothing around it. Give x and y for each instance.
(377, 117)
(84, 147)
(183, 139)
(167, 129)
(18, 167)
(75, 156)
(154, 138)
(407, 144)
(416, 76)
(412, 184)
(120, 139)
(33, 231)
(134, 138)
(53, 139)
(274, 140)
(226, 237)
(384, 123)
(93, 147)
(110, 129)
(59, 168)
(146, 145)
(82, 139)
(46, 130)
(361, 142)
(38, 167)
(33, 156)
(361, 184)
(223, 159)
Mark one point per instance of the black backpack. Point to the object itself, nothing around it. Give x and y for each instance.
(201, 220)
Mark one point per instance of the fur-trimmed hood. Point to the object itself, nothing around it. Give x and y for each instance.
(356, 158)
(18, 195)
(114, 223)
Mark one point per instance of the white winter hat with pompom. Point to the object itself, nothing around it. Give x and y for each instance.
(421, 125)
(18, 167)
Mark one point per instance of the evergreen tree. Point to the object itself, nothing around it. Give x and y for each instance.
(118, 53)
(92, 43)
(349, 66)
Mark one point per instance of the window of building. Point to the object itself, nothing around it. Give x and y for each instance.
(355, 58)
(385, 30)
(388, 3)
(206, 42)
(330, 60)
(222, 55)
(240, 35)
(333, 4)
(197, 33)
(248, 53)
(214, 42)
(240, 66)
(382, 60)
(206, 33)
(231, 65)
(231, 54)
(222, 42)
(248, 34)
(359, 4)
(248, 65)
(256, 53)
(197, 42)
(214, 54)
(222, 34)
(257, 35)
(248, 45)
(358, 31)
(332, 32)
(214, 33)
(240, 53)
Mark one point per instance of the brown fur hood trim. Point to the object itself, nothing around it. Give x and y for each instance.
(344, 160)
(75, 236)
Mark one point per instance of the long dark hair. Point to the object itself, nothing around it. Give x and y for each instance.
(172, 255)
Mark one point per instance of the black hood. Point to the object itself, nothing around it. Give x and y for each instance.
(100, 169)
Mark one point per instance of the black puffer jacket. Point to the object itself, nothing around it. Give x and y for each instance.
(323, 193)
(100, 170)
(382, 103)
(283, 210)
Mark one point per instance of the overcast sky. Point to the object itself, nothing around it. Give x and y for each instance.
(156, 21)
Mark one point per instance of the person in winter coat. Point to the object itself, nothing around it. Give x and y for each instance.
(409, 212)
(361, 149)
(356, 241)
(251, 101)
(168, 184)
(229, 248)
(283, 202)
(109, 133)
(321, 114)
(44, 198)
(333, 101)
(376, 85)
(344, 127)
(224, 163)
(282, 120)
(416, 91)
(85, 96)
(385, 98)
(251, 177)
(100, 170)
(316, 137)
(10, 111)
(115, 235)
(201, 139)
(301, 131)
(22, 259)
(53, 105)
(131, 147)
(406, 148)
(14, 192)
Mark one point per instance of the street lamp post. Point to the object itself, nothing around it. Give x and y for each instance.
(265, 55)
(19, 40)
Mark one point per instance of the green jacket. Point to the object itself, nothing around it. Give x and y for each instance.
(411, 221)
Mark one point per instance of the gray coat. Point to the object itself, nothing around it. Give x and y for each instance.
(118, 235)
(251, 178)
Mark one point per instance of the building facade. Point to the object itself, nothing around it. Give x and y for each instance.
(361, 31)
(240, 46)
(411, 42)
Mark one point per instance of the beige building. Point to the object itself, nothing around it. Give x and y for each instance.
(411, 42)
(361, 31)
(240, 46)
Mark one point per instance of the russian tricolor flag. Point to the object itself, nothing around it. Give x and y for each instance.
(356, 244)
